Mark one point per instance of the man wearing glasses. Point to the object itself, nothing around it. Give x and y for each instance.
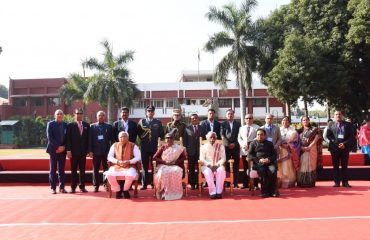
(247, 134)
(56, 135)
(77, 149)
(273, 134)
(149, 129)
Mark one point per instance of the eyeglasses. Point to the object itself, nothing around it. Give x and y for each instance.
(79, 113)
(248, 118)
(149, 110)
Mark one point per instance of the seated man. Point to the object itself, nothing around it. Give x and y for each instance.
(263, 155)
(212, 156)
(124, 155)
(168, 176)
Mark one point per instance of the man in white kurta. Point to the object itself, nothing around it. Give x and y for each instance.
(124, 155)
(212, 156)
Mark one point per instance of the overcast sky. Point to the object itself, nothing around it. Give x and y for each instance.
(45, 38)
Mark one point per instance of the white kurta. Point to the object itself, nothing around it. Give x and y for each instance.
(130, 173)
(206, 156)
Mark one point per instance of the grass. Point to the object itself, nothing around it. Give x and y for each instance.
(29, 152)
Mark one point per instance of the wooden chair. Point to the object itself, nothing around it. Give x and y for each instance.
(185, 179)
(121, 178)
(229, 176)
(252, 174)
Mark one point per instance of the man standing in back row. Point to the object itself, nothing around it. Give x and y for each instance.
(126, 125)
(77, 149)
(149, 129)
(339, 134)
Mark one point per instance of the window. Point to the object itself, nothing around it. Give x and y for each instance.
(259, 102)
(225, 102)
(37, 101)
(157, 103)
(170, 103)
(191, 101)
(20, 102)
(237, 102)
(54, 101)
(139, 104)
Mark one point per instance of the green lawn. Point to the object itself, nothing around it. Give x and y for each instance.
(31, 152)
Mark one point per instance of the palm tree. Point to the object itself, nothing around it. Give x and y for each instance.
(237, 35)
(75, 89)
(112, 83)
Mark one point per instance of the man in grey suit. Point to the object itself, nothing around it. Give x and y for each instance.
(247, 134)
(272, 132)
(192, 134)
(149, 129)
(229, 132)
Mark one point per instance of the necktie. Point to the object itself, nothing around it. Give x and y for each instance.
(80, 127)
(196, 130)
(248, 128)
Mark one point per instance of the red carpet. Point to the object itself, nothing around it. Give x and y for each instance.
(324, 212)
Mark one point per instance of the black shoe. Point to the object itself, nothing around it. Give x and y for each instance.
(62, 190)
(73, 190)
(265, 195)
(96, 189)
(83, 190)
(346, 185)
(273, 195)
(213, 196)
(219, 196)
(53, 191)
(144, 187)
(126, 194)
(118, 195)
(336, 185)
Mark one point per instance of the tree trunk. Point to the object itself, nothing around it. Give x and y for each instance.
(287, 109)
(109, 110)
(305, 108)
(328, 110)
(242, 100)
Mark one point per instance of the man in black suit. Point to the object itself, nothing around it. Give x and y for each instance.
(211, 125)
(339, 134)
(229, 132)
(126, 125)
(192, 134)
(77, 148)
(100, 140)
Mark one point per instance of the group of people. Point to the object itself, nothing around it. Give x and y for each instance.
(281, 156)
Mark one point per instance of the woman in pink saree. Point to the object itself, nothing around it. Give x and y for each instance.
(168, 177)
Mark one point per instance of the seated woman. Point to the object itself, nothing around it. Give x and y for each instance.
(310, 154)
(286, 169)
(168, 177)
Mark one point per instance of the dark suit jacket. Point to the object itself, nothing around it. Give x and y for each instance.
(332, 135)
(230, 135)
(100, 147)
(132, 130)
(216, 127)
(55, 136)
(192, 141)
(76, 143)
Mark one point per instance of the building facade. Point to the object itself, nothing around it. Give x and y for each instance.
(194, 92)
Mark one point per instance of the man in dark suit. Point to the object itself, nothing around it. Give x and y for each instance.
(339, 135)
(77, 148)
(229, 132)
(211, 125)
(126, 125)
(56, 135)
(100, 140)
(192, 134)
(149, 129)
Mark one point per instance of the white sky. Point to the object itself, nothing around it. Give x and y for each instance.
(46, 38)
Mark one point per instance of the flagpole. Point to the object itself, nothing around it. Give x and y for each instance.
(198, 63)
